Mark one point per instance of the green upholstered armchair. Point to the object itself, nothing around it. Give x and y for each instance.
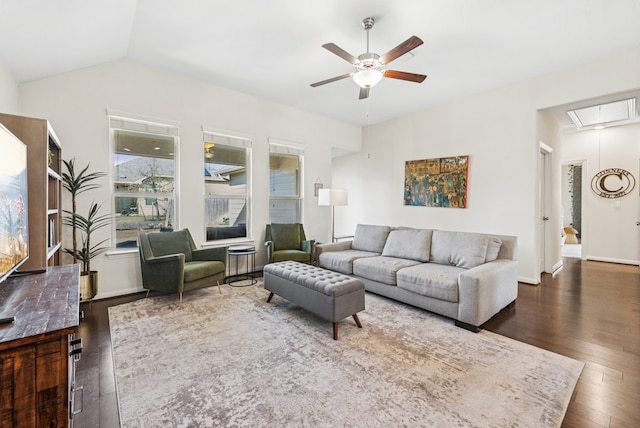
(171, 263)
(286, 241)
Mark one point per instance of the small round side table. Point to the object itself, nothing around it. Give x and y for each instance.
(247, 278)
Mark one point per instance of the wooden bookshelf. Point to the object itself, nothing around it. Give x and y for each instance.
(44, 186)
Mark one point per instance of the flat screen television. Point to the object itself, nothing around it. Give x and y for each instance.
(14, 233)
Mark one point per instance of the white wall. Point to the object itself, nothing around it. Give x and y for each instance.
(8, 91)
(609, 232)
(501, 131)
(75, 104)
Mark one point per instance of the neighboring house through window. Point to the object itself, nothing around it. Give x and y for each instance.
(285, 182)
(144, 177)
(227, 180)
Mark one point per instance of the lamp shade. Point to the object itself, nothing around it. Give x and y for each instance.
(333, 197)
(367, 78)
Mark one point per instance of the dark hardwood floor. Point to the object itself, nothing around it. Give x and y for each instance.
(589, 311)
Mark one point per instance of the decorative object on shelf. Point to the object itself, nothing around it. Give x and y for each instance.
(438, 182)
(77, 183)
(333, 198)
(613, 183)
(317, 186)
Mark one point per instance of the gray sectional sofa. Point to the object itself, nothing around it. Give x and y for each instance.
(462, 275)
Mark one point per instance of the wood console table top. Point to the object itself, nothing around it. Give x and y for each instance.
(41, 303)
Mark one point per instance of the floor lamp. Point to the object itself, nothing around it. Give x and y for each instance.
(333, 198)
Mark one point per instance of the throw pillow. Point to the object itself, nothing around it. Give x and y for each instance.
(412, 244)
(370, 238)
(493, 248)
(461, 249)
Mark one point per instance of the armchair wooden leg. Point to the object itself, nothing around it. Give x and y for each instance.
(147, 294)
(219, 289)
(181, 300)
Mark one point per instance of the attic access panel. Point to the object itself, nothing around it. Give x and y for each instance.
(603, 114)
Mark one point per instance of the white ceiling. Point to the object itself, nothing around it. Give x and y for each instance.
(272, 49)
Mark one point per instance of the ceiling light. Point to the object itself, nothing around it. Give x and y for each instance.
(367, 78)
(598, 127)
(156, 148)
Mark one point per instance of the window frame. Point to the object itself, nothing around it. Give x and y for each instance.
(119, 121)
(237, 140)
(288, 148)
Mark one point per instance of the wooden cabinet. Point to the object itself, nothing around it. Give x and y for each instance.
(38, 350)
(44, 162)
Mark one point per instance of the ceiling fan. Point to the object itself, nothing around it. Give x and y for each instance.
(369, 65)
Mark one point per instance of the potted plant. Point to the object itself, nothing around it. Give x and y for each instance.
(82, 227)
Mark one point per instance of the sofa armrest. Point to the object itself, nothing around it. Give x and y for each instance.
(486, 289)
(270, 247)
(308, 247)
(210, 254)
(164, 273)
(336, 246)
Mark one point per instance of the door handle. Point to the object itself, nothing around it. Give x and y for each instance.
(545, 218)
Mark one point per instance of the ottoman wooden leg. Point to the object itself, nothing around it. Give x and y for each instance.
(335, 331)
(357, 320)
(269, 298)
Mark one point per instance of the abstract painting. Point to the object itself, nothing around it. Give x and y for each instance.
(438, 182)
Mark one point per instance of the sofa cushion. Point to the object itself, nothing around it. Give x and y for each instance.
(493, 248)
(380, 268)
(285, 236)
(461, 249)
(166, 243)
(370, 238)
(413, 244)
(342, 261)
(431, 280)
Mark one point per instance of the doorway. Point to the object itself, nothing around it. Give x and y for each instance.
(571, 202)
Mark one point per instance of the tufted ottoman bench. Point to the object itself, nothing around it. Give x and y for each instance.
(330, 295)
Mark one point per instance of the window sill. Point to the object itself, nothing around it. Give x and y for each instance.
(122, 253)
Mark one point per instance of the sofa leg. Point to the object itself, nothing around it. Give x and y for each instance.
(181, 300)
(270, 296)
(335, 331)
(147, 294)
(466, 326)
(357, 320)
(219, 289)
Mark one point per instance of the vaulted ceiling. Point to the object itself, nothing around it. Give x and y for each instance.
(272, 49)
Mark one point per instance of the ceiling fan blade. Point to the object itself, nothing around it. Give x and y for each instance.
(340, 52)
(364, 93)
(333, 79)
(404, 47)
(402, 75)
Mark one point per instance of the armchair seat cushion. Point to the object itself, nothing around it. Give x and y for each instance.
(295, 255)
(194, 271)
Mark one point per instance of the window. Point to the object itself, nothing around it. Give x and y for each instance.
(144, 177)
(226, 186)
(285, 176)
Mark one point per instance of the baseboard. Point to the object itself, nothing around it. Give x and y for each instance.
(120, 292)
(610, 260)
(530, 281)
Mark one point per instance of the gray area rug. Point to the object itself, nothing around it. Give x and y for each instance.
(232, 359)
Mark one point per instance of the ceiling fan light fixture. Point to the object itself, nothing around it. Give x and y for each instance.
(367, 78)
